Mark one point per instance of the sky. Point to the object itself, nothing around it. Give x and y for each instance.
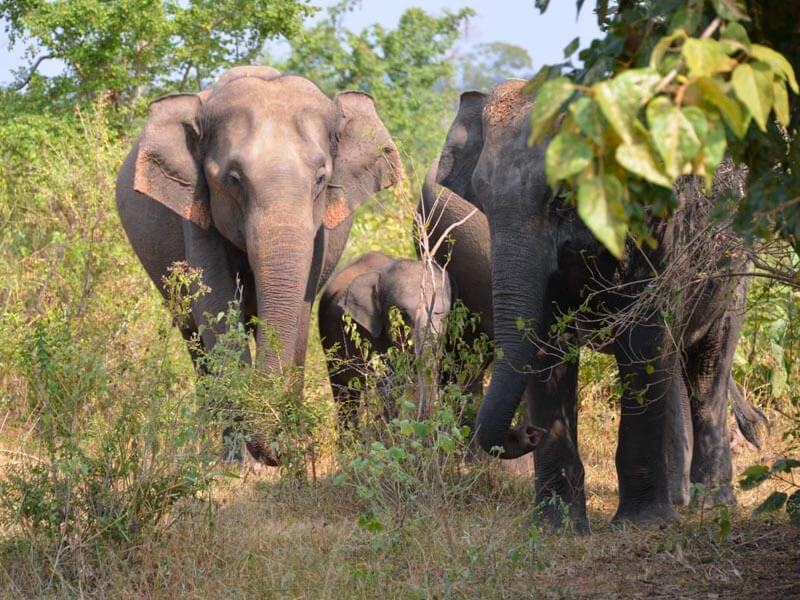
(512, 21)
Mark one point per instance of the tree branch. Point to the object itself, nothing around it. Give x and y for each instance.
(35, 66)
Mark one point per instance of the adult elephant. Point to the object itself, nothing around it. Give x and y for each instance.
(254, 181)
(466, 253)
(544, 263)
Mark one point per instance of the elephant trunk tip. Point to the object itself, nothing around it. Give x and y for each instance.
(509, 444)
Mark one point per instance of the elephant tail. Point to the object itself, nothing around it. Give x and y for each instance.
(749, 418)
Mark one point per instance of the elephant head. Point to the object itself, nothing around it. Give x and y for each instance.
(270, 162)
(422, 293)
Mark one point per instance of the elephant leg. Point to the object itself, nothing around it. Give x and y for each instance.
(707, 376)
(679, 440)
(552, 394)
(645, 374)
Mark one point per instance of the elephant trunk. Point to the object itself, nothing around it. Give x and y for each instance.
(522, 263)
(280, 256)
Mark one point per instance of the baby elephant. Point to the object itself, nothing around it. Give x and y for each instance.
(366, 290)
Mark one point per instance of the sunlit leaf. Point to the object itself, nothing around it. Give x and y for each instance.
(714, 145)
(601, 207)
(621, 98)
(781, 101)
(587, 116)
(657, 55)
(753, 86)
(639, 159)
(713, 91)
(705, 57)
(777, 62)
(673, 135)
(548, 102)
(734, 37)
(567, 154)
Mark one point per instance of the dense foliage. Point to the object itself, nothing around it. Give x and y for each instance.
(671, 89)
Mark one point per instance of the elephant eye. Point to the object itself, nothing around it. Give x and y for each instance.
(235, 178)
(322, 176)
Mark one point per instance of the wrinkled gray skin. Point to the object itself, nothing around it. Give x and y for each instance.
(543, 262)
(254, 180)
(367, 289)
(467, 259)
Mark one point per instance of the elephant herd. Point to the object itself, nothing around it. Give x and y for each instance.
(254, 181)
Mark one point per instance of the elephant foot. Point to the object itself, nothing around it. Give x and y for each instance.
(649, 515)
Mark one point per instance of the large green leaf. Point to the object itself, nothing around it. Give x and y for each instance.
(639, 159)
(753, 476)
(673, 135)
(704, 57)
(773, 502)
(587, 116)
(713, 91)
(601, 207)
(622, 97)
(567, 154)
(777, 62)
(753, 86)
(548, 101)
(734, 38)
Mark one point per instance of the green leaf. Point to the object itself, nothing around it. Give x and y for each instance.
(639, 160)
(714, 146)
(673, 135)
(777, 63)
(548, 102)
(785, 465)
(753, 476)
(587, 116)
(601, 208)
(535, 82)
(621, 98)
(774, 502)
(780, 102)
(704, 57)
(731, 10)
(734, 38)
(567, 155)
(571, 47)
(657, 55)
(753, 86)
(713, 91)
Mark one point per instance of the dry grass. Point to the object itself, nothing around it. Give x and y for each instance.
(263, 537)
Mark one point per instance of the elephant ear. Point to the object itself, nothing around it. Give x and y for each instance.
(168, 166)
(362, 302)
(366, 159)
(463, 146)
